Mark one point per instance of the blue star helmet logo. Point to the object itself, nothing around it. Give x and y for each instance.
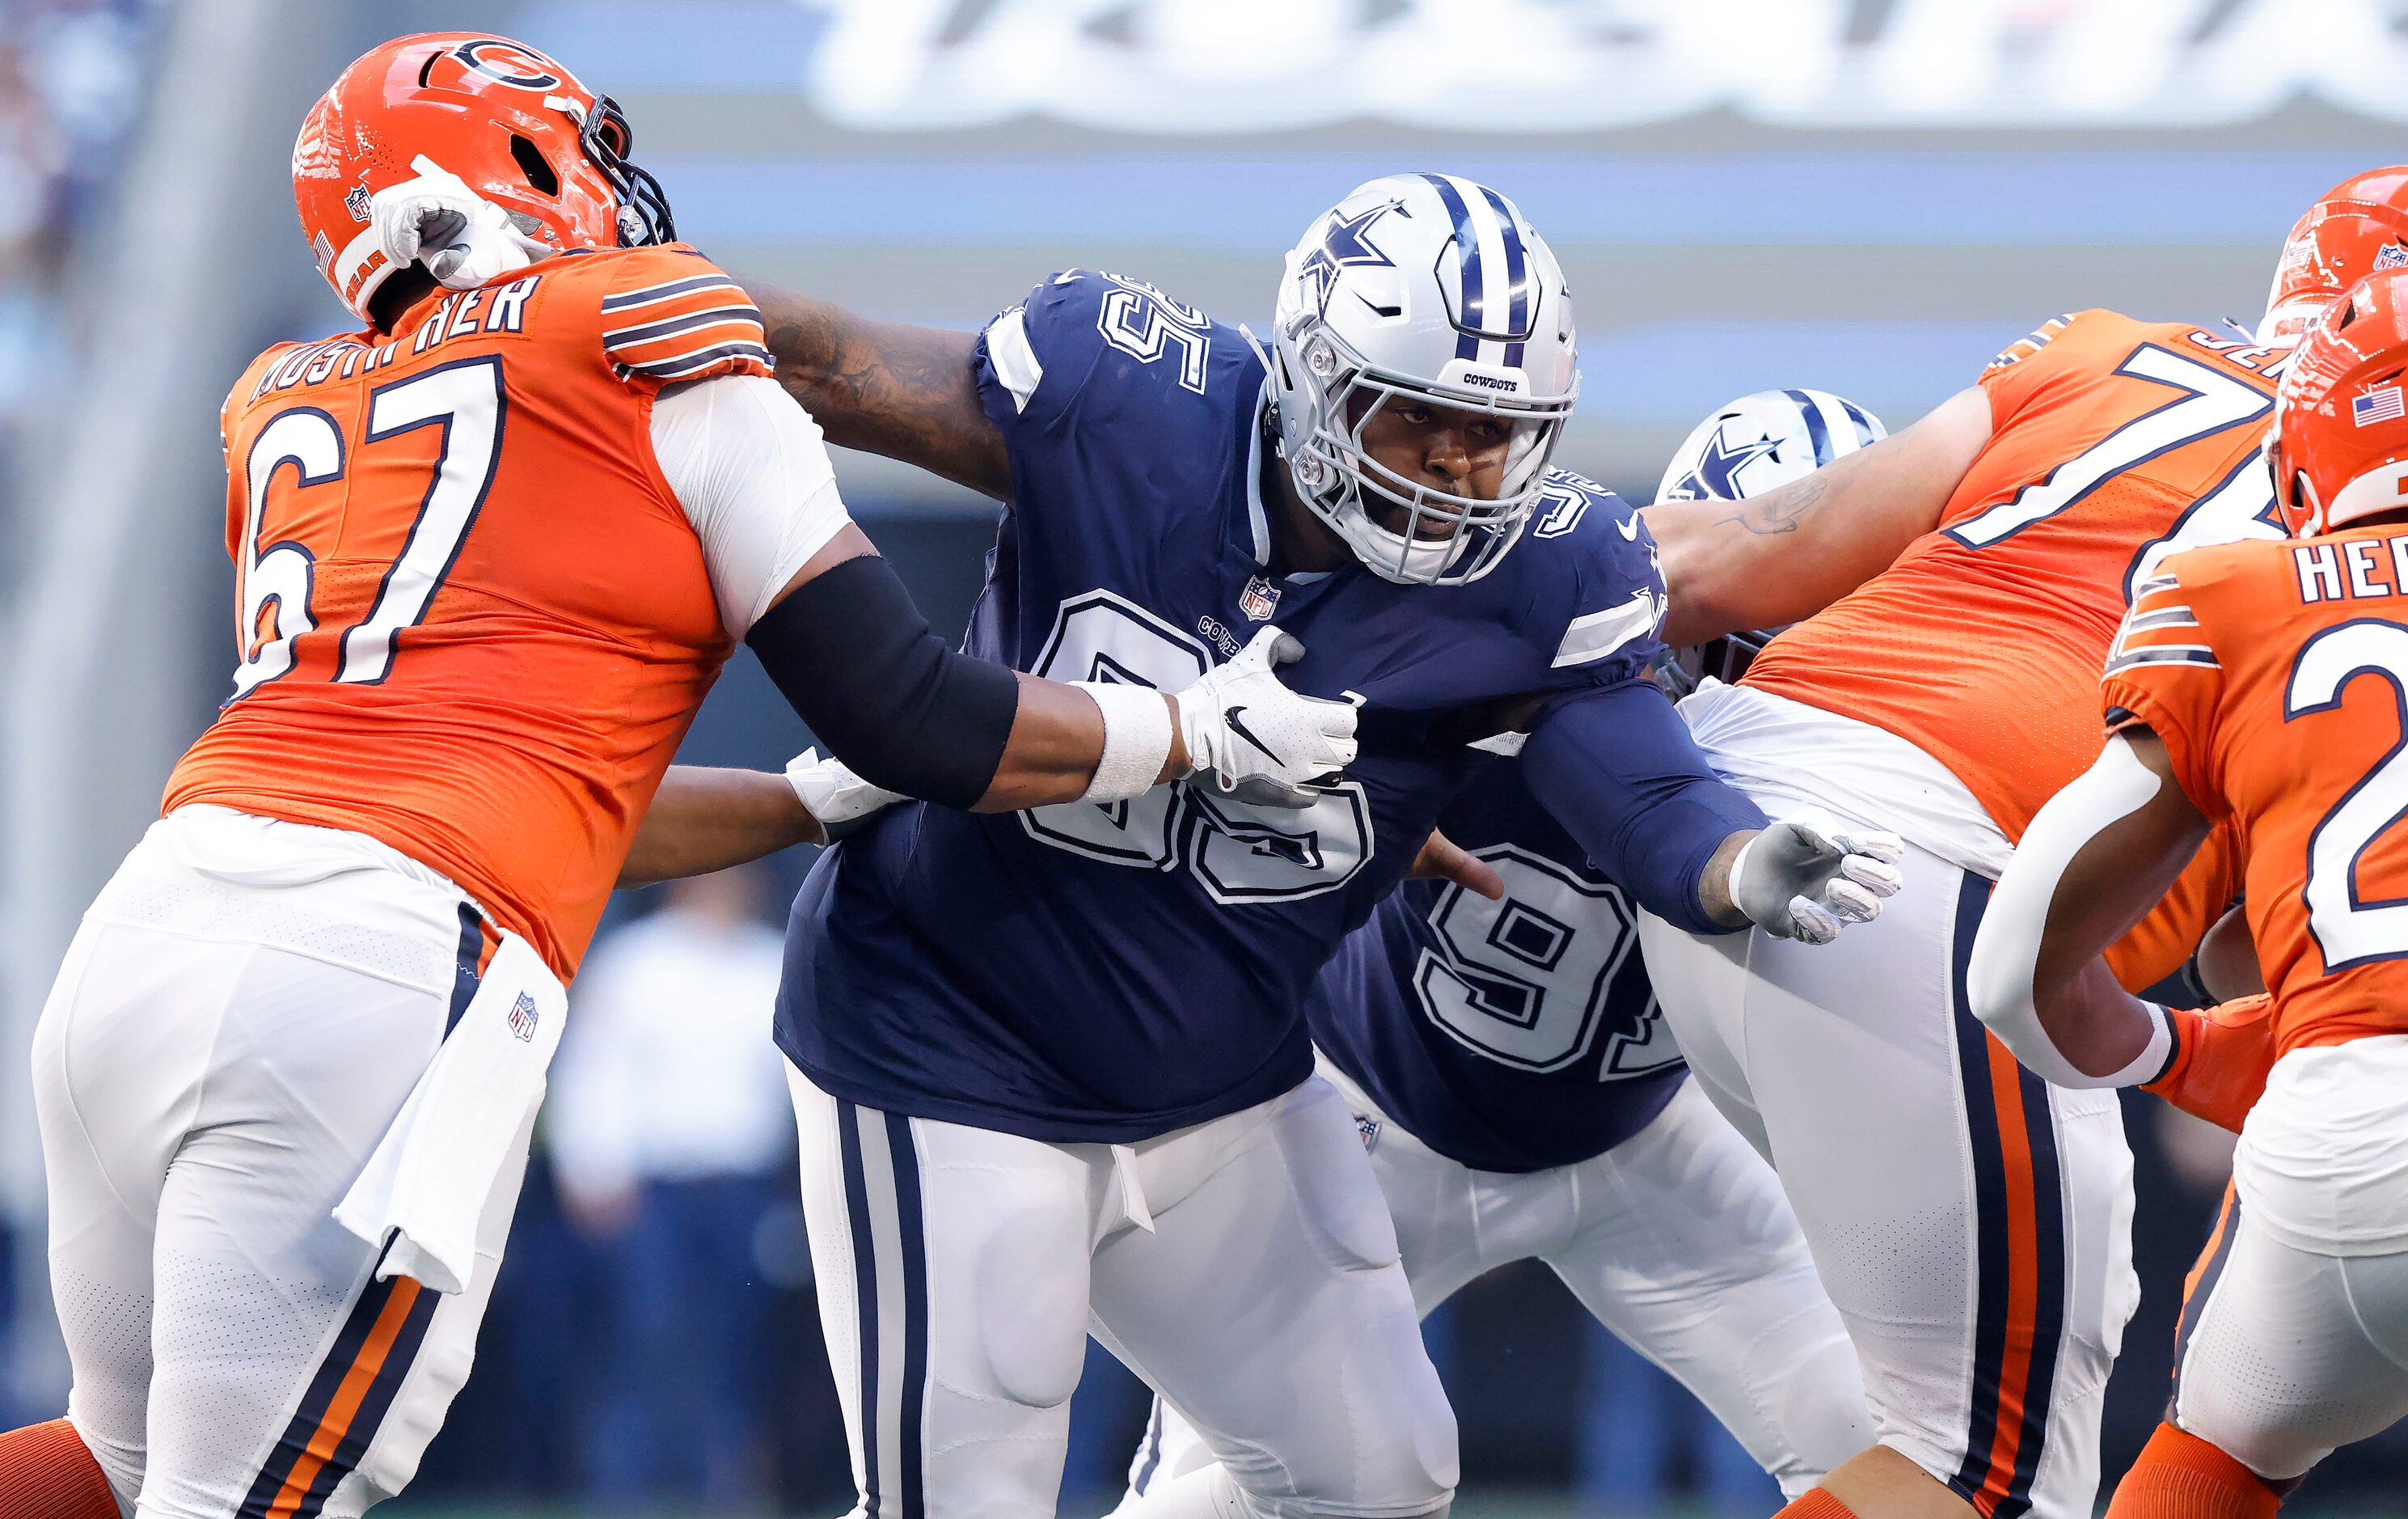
(1713, 479)
(1345, 245)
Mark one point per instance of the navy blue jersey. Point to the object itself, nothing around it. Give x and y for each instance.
(1510, 1035)
(1092, 973)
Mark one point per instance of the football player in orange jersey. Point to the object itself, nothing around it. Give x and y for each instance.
(492, 550)
(1969, 1219)
(2266, 684)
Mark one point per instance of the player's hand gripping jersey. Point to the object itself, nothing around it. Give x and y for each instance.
(2113, 442)
(1082, 972)
(2273, 673)
(476, 618)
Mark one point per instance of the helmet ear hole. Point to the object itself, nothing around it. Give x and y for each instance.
(531, 163)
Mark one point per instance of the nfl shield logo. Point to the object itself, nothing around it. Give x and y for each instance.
(522, 1018)
(2390, 256)
(1261, 599)
(1369, 1127)
(356, 202)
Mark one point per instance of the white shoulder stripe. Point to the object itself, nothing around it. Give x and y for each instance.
(1599, 633)
(1015, 362)
(2189, 654)
(2164, 617)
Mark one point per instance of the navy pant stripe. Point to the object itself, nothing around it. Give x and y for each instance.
(2211, 1270)
(905, 1158)
(865, 1296)
(2048, 1308)
(381, 1391)
(1989, 1200)
(464, 978)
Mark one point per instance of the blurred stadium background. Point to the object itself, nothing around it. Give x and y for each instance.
(1866, 195)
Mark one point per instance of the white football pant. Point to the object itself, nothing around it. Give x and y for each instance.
(1677, 1239)
(1244, 1268)
(230, 1033)
(2294, 1337)
(1972, 1223)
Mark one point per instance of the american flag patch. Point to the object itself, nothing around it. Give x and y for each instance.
(2383, 405)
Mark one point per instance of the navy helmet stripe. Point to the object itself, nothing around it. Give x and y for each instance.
(1818, 430)
(1474, 315)
(905, 1159)
(1517, 265)
(864, 1288)
(1866, 432)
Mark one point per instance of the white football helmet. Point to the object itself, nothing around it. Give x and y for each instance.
(1420, 287)
(1766, 440)
(1743, 449)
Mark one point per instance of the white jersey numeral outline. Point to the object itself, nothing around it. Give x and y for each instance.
(1239, 854)
(466, 399)
(2347, 930)
(1526, 981)
(2212, 401)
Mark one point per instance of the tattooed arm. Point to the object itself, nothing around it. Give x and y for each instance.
(1784, 556)
(909, 393)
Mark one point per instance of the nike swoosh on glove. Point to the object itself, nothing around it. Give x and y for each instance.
(462, 239)
(2222, 1056)
(1806, 875)
(1258, 740)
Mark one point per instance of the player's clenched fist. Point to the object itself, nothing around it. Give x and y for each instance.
(1260, 741)
(1805, 876)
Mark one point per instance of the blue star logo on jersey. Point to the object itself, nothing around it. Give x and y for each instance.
(1713, 479)
(1345, 245)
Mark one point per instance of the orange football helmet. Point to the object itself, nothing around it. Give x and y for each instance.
(2338, 448)
(515, 125)
(2357, 228)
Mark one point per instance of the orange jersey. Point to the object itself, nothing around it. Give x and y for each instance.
(1977, 644)
(474, 621)
(2275, 673)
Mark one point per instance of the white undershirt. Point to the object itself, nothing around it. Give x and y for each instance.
(752, 470)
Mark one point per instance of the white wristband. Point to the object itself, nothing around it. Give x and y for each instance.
(1137, 739)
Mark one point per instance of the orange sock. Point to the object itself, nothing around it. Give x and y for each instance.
(46, 1474)
(1814, 1503)
(2181, 1476)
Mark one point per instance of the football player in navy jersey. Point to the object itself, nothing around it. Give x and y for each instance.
(1510, 1073)
(1051, 1068)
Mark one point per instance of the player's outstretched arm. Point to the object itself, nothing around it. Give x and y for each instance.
(1786, 555)
(2093, 862)
(859, 665)
(908, 393)
(1618, 770)
(703, 819)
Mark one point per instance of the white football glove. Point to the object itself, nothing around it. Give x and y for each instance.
(831, 792)
(1806, 877)
(1258, 740)
(462, 239)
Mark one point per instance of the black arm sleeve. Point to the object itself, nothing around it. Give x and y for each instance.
(858, 664)
(1617, 767)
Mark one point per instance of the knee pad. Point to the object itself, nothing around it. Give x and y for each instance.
(1031, 1295)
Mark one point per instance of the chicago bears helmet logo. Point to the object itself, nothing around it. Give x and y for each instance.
(507, 63)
